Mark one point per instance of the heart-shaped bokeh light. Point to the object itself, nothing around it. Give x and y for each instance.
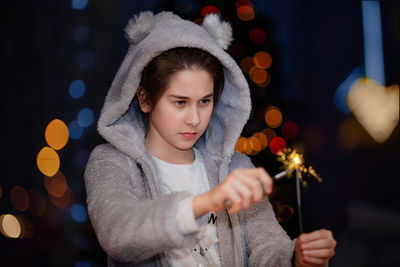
(375, 107)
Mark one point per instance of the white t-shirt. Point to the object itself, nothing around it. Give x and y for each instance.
(193, 179)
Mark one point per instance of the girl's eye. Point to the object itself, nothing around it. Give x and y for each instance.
(205, 101)
(180, 102)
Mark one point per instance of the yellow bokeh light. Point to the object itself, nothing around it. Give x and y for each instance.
(10, 226)
(273, 117)
(56, 185)
(19, 198)
(262, 60)
(56, 134)
(48, 161)
(245, 13)
(247, 63)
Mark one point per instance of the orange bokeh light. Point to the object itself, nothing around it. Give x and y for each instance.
(48, 161)
(56, 134)
(19, 198)
(262, 60)
(247, 63)
(56, 185)
(257, 75)
(273, 117)
(246, 13)
(255, 144)
(64, 201)
(269, 133)
(263, 139)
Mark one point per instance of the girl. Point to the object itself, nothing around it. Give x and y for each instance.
(168, 189)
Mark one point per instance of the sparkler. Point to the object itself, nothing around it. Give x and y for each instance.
(293, 162)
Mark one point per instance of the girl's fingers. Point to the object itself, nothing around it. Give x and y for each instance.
(262, 176)
(317, 244)
(318, 253)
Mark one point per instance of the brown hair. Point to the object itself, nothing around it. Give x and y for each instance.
(156, 75)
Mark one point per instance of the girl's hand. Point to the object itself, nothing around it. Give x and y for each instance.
(315, 248)
(241, 188)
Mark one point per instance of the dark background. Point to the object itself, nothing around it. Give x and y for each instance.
(314, 45)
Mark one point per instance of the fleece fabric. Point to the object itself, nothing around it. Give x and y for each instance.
(133, 221)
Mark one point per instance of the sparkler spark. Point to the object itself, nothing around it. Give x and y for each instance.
(293, 161)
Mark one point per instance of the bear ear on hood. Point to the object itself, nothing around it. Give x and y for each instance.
(219, 30)
(139, 27)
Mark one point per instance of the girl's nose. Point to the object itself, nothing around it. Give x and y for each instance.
(193, 116)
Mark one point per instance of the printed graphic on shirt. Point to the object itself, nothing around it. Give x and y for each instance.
(212, 218)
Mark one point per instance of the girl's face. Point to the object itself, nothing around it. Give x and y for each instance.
(182, 113)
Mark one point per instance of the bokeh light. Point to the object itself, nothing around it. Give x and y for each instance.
(255, 144)
(81, 33)
(277, 144)
(85, 117)
(56, 186)
(245, 13)
(79, 4)
(257, 36)
(241, 144)
(64, 201)
(246, 64)
(289, 130)
(85, 60)
(77, 89)
(267, 80)
(56, 134)
(269, 133)
(10, 226)
(263, 139)
(209, 9)
(184, 6)
(257, 75)
(19, 198)
(37, 203)
(273, 117)
(262, 60)
(78, 213)
(48, 161)
(240, 3)
(75, 130)
(284, 213)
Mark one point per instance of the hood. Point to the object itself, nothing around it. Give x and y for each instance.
(124, 127)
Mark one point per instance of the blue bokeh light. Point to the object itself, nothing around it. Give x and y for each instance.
(78, 213)
(76, 89)
(75, 130)
(85, 60)
(79, 4)
(81, 33)
(85, 117)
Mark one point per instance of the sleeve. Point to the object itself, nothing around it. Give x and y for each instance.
(267, 243)
(129, 228)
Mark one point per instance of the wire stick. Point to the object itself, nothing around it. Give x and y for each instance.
(299, 200)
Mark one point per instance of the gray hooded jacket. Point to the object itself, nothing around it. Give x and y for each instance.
(134, 223)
